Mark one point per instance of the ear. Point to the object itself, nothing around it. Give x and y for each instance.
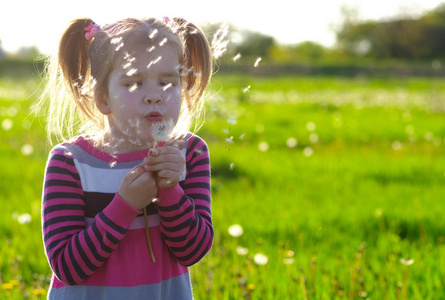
(102, 102)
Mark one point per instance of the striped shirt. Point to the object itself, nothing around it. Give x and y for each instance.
(95, 241)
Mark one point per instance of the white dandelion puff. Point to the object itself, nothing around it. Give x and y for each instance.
(263, 146)
(24, 218)
(241, 250)
(310, 126)
(7, 124)
(261, 259)
(291, 142)
(27, 149)
(236, 230)
(308, 151)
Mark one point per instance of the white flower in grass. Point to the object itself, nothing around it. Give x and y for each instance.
(24, 218)
(236, 230)
(310, 126)
(7, 124)
(308, 151)
(263, 146)
(291, 142)
(27, 149)
(241, 250)
(261, 259)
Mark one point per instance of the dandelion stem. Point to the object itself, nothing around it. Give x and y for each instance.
(147, 235)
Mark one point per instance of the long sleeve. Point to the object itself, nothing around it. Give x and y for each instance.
(185, 211)
(74, 249)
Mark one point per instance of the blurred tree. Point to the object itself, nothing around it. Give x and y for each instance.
(421, 38)
(254, 44)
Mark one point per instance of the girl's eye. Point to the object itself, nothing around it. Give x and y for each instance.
(133, 85)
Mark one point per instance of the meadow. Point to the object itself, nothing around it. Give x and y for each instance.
(322, 188)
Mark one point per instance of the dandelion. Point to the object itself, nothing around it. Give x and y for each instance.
(313, 138)
(232, 166)
(406, 261)
(161, 131)
(310, 126)
(236, 230)
(229, 140)
(250, 287)
(257, 62)
(263, 146)
(232, 121)
(241, 250)
(308, 151)
(291, 142)
(27, 149)
(261, 259)
(397, 146)
(288, 260)
(7, 124)
(38, 292)
(24, 218)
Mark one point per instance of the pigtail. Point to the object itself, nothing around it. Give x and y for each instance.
(75, 64)
(197, 60)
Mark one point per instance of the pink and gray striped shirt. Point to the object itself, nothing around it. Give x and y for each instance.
(95, 242)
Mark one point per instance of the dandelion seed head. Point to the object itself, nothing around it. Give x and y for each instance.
(236, 230)
(310, 126)
(261, 259)
(7, 124)
(308, 151)
(397, 146)
(241, 250)
(291, 142)
(24, 218)
(288, 260)
(263, 146)
(407, 261)
(27, 149)
(313, 138)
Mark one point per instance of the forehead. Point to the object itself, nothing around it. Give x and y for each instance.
(149, 59)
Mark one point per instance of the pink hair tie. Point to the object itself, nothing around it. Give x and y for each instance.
(166, 20)
(91, 31)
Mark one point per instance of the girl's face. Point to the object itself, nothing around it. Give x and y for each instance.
(144, 88)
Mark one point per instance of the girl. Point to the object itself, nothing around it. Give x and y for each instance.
(126, 204)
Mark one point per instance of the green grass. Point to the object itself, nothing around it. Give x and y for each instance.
(336, 224)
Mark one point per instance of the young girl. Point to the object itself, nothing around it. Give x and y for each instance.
(126, 204)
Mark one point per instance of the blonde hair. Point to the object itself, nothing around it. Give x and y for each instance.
(81, 70)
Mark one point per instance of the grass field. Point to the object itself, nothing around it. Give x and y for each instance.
(337, 185)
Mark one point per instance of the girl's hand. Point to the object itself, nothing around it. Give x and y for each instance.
(168, 163)
(138, 188)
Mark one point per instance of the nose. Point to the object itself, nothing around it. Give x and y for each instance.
(153, 96)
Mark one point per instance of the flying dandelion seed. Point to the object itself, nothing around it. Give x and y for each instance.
(7, 124)
(153, 62)
(263, 146)
(112, 164)
(116, 40)
(291, 142)
(133, 87)
(241, 250)
(153, 34)
(288, 261)
(246, 89)
(241, 137)
(310, 126)
(24, 218)
(257, 62)
(237, 57)
(229, 140)
(27, 149)
(261, 259)
(236, 230)
(232, 166)
(167, 87)
(119, 47)
(151, 49)
(232, 121)
(308, 151)
(313, 138)
(220, 41)
(163, 42)
(132, 72)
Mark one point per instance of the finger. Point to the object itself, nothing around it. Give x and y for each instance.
(164, 166)
(134, 173)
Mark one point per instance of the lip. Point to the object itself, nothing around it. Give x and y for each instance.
(154, 116)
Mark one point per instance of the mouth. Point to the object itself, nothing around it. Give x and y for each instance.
(154, 117)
